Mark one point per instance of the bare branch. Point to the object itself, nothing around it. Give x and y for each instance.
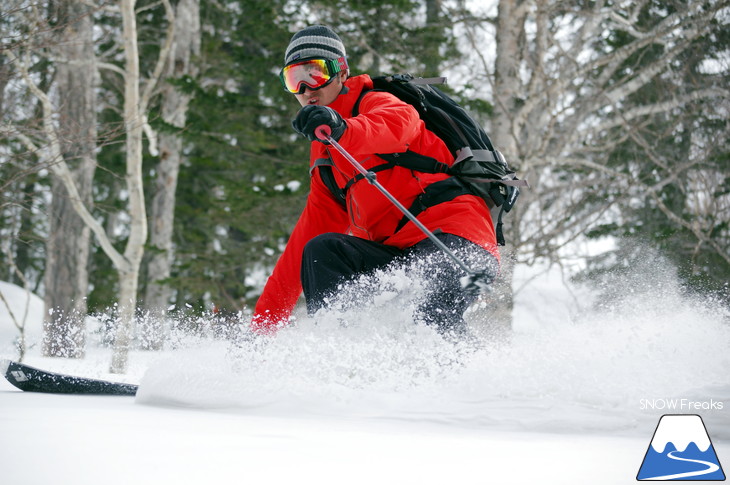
(111, 67)
(702, 237)
(106, 8)
(154, 79)
(53, 155)
(162, 59)
(632, 114)
(19, 323)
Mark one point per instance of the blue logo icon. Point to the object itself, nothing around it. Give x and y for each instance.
(681, 450)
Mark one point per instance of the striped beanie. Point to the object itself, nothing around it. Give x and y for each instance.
(317, 41)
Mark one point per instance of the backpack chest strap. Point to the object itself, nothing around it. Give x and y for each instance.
(359, 176)
(444, 191)
(410, 160)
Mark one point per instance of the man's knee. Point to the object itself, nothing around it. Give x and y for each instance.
(322, 268)
(322, 245)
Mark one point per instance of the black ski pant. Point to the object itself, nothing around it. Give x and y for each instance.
(332, 259)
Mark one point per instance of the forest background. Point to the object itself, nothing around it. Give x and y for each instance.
(148, 169)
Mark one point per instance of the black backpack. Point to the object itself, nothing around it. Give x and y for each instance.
(478, 169)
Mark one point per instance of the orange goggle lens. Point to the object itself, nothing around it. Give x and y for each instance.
(312, 73)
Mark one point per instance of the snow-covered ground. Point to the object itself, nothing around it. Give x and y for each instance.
(367, 397)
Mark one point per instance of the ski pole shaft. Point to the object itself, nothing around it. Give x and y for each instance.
(323, 132)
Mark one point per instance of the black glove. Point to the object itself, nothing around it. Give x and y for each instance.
(312, 116)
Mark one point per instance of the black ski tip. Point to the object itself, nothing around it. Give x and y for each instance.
(31, 379)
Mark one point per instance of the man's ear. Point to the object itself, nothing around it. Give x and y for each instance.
(343, 77)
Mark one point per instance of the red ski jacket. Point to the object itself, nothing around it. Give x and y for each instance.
(384, 124)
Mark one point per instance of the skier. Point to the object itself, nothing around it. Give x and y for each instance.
(334, 240)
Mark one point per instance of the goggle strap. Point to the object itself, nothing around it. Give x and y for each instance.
(339, 64)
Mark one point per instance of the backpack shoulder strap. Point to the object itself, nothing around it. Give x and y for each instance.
(444, 191)
(325, 168)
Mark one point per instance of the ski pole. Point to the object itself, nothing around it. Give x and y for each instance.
(473, 279)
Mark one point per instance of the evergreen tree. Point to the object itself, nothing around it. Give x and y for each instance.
(246, 177)
(678, 199)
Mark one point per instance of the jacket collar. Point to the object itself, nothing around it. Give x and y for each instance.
(350, 93)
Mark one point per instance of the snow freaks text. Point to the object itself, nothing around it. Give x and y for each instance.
(680, 404)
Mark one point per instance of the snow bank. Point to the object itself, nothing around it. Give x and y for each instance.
(371, 391)
(573, 369)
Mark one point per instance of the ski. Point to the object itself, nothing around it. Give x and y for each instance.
(31, 379)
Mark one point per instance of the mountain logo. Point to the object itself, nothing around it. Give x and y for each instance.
(681, 450)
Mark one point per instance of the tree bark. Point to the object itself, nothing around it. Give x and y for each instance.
(134, 123)
(509, 30)
(432, 59)
(562, 107)
(174, 112)
(67, 247)
(52, 155)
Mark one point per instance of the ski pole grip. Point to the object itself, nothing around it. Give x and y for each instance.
(322, 132)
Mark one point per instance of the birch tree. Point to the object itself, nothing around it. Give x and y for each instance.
(180, 64)
(136, 103)
(49, 147)
(564, 93)
(57, 38)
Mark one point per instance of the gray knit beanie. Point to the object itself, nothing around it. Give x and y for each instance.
(317, 41)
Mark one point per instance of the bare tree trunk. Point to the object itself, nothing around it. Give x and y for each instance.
(510, 19)
(67, 247)
(558, 109)
(162, 218)
(52, 155)
(434, 22)
(134, 123)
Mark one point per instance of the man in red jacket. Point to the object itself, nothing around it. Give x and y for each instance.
(334, 240)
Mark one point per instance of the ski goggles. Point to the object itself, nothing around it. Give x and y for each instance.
(311, 73)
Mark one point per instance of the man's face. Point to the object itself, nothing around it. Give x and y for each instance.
(325, 95)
